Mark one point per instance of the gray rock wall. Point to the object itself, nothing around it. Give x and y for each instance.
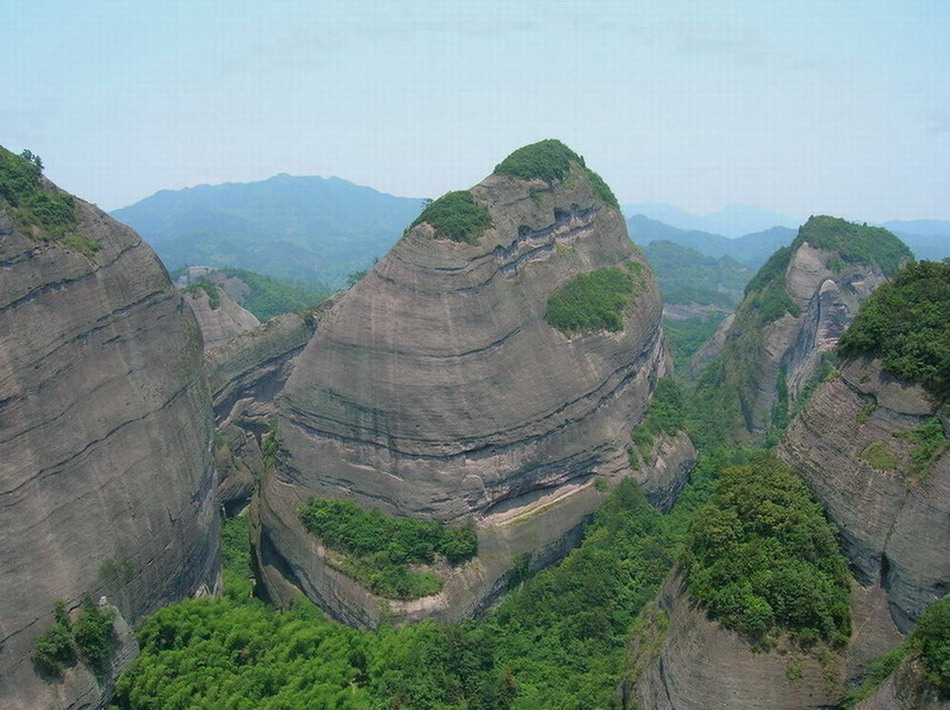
(106, 476)
(434, 388)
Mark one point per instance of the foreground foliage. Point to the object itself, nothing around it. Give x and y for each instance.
(905, 324)
(764, 560)
(379, 548)
(89, 638)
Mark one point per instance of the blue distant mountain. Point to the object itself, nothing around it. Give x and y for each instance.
(927, 238)
(306, 229)
(731, 221)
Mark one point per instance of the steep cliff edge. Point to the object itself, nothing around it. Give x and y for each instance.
(853, 444)
(106, 477)
(219, 316)
(794, 311)
(435, 388)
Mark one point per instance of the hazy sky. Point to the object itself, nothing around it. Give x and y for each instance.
(801, 107)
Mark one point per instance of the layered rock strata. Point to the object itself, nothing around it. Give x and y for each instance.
(435, 388)
(106, 476)
(219, 316)
(850, 444)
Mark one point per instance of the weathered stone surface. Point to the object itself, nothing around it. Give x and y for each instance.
(829, 301)
(684, 661)
(905, 689)
(434, 388)
(106, 477)
(894, 523)
(667, 470)
(223, 321)
(713, 347)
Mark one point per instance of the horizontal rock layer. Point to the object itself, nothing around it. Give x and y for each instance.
(106, 477)
(435, 388)
(893, 522)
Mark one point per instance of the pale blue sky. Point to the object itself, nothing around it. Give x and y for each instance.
(801, 107)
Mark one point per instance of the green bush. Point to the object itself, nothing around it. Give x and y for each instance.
(550, 160)
(666, 415)
(929, 443)
(590, 302)
(905, 324)
(211, 289)
(854, 243)
(94, 635)
(380, 547)
(879, 455)
(38, 213)
(53, 651)
(931, 639)
(763, 559)
(457, 216)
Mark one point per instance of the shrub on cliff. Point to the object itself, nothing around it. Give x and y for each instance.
(37, 212)
(763, 559)
(905, 324)
(457, 216)
(592, 301)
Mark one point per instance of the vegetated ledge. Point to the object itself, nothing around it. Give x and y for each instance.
(596, 300)
(550, 160)
(377, 549)
(457, 216)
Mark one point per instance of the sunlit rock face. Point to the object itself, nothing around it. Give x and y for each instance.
(106, 475)
(435, 388)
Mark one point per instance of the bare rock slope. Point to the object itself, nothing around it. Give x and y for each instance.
(106, 476)
(435, 388)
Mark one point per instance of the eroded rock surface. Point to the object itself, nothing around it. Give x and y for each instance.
(435, 388)
(106, 476)
(220, 319)
(894, 519)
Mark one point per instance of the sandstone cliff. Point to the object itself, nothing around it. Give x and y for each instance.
(106, 478)
(219, 316)
(794, 312)
(850, 444)
(435, 388)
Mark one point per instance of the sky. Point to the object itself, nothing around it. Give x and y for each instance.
(799, 107)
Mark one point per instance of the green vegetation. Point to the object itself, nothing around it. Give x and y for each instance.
(457, 216)
(929, 443)
(235, 544)
(879, 455)
(855, 243)
(686, 337)
(210, 288)
(550, 160)
(686, 276)
(558, 641)
(269, 445)
(764, 560)
(379, 548)
(593, 301)
(877, 672)
(905, 324)
(931, 639)
(666, 415)
(46, 215)
(766, 294)
(268, 297)
(90, 638)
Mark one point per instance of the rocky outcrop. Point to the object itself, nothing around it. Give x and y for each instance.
(796, 308)
(905, 689)
(106, 476)
(435, 388)
(680, 660)
(219, 316)
(666, 468)
(850, 445)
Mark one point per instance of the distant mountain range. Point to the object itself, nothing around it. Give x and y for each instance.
(305, 229)
(313, 230)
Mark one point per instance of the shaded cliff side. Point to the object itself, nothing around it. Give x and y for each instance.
(795, 310)
(106, 477)
(854, 444)
(436, 388)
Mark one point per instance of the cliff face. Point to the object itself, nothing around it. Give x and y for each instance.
(682, 660)
(435, 388)
(850, 444)
(219, 316)
(795, 310)
(106, 477)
